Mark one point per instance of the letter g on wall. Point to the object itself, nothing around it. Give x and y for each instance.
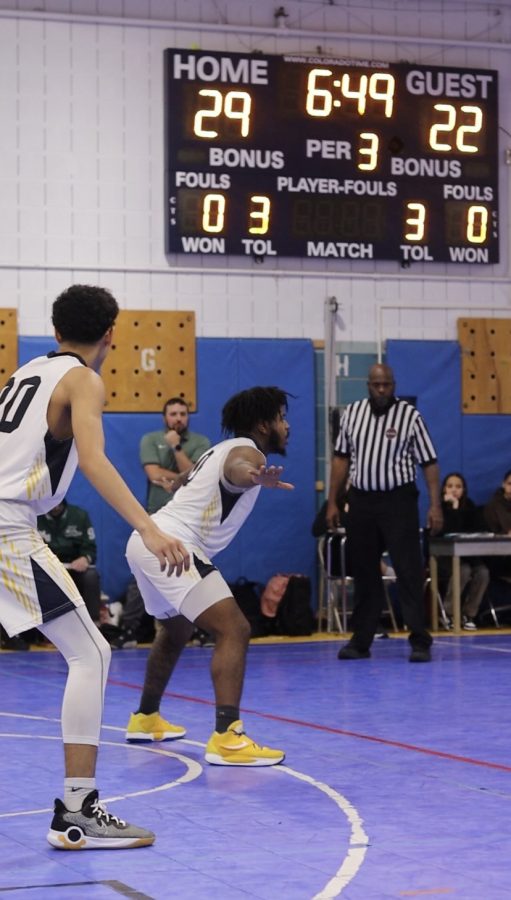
(148, 359)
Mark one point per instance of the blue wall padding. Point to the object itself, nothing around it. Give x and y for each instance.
(478, 446)
(277, 535)
(487, 453)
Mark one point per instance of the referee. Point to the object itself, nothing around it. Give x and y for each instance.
(380, 441)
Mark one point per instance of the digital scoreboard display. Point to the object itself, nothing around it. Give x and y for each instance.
(324, 158)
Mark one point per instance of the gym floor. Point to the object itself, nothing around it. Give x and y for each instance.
(395, 784)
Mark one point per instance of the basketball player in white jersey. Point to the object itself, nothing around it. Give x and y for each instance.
(206, 513)
(50, 422)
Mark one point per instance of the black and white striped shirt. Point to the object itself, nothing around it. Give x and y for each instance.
(383, 449)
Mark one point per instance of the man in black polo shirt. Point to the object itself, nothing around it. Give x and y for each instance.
(380, 442)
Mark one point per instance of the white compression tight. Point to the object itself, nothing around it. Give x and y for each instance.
(87, 654)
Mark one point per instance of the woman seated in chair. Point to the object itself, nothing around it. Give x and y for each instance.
(497, 512)
(462, 516)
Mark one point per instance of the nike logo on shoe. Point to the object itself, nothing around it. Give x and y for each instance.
(239, 746)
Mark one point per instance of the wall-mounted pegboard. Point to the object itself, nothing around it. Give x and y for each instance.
(8, 343)
(152, 358)
(486, 365)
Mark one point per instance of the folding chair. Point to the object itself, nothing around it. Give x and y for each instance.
(444, 618)
(336, 582)
(497, 599)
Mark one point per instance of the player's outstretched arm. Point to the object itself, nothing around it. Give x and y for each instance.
(246, 467)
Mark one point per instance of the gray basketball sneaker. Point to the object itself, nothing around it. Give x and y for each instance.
(94, 828)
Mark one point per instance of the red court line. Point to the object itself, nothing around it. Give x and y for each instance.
(328, 729)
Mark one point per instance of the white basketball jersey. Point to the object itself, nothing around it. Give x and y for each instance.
(208, 511)
(35, 469)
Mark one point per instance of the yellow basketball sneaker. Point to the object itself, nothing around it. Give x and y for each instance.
(234, 748)
(152, 728)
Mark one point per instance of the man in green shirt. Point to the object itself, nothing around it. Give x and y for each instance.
(69, 533)
(167, 454)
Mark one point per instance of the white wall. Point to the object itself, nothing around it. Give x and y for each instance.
(81, 174)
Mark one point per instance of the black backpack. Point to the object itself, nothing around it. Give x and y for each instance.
(294, 616)
(248, 597)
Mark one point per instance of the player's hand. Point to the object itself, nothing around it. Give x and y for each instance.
(269, 476)
(171, 553)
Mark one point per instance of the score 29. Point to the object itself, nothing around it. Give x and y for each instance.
(235, 105)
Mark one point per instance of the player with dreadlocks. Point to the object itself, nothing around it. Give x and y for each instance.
(206, 513)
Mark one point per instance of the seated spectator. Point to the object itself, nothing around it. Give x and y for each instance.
(497, 516)
(69, 533)
(462, 516)
(497, 512)
(16, 642)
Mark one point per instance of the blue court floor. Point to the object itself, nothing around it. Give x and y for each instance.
(396, 783)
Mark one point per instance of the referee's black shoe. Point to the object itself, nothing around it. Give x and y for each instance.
(351, 651)
(420, 654)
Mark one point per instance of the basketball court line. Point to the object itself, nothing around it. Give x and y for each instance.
(194, 769)
(358, 840)
(329, 729)
(358, 843)
(117, 886)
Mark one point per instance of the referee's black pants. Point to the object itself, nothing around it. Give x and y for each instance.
(391, 519)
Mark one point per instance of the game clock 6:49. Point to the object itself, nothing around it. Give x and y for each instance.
(321, 158)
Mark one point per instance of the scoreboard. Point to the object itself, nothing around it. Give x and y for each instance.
(326, 158)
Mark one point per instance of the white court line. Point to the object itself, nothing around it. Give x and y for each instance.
(194, 769)
(358, 841)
